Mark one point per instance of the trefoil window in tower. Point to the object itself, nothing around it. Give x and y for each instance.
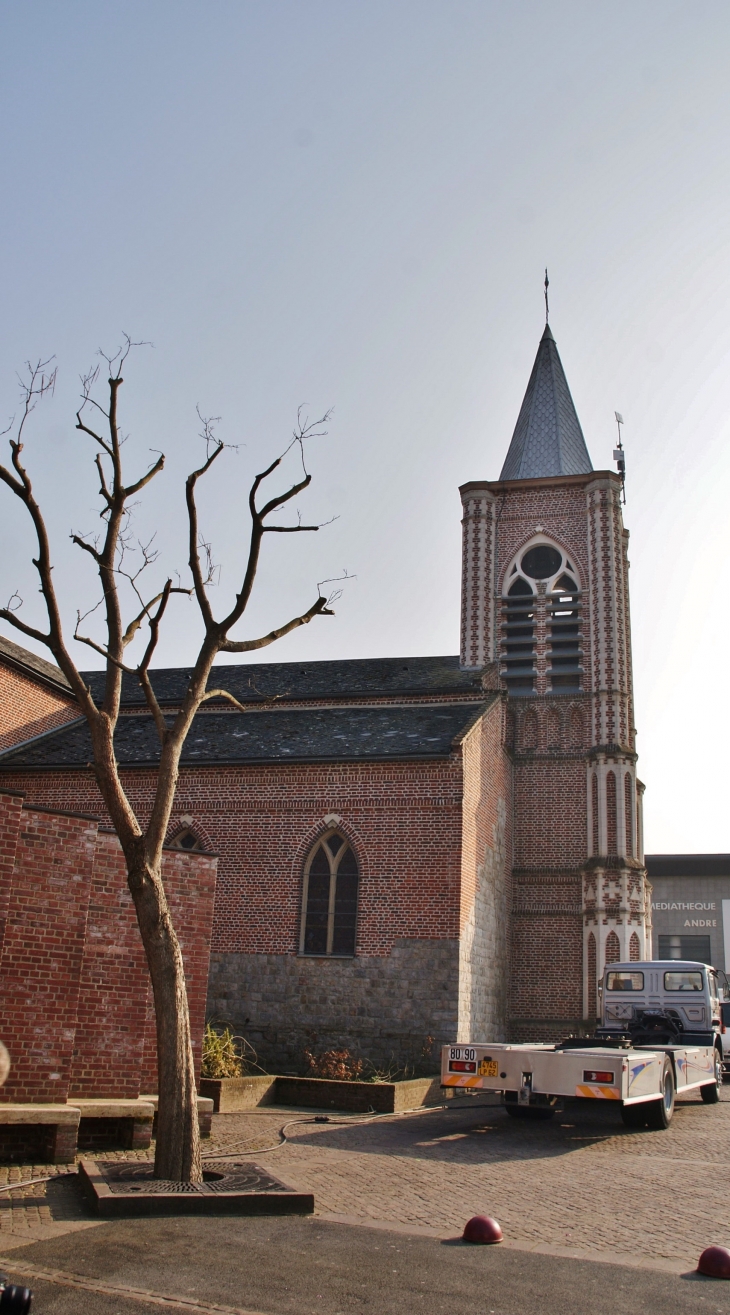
(517, 656)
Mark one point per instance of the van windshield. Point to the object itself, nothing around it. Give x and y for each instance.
(624, 981)
(683, 982)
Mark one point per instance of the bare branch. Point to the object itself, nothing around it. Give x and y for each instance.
(153, 470)
(7, 615)
(223, 694)
(319, 608)
(87, 547)
(195, 539)
(153, 705)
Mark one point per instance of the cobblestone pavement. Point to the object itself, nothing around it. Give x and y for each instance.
(581, 1183)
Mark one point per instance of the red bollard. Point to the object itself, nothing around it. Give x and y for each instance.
(714, 1262)
(484, 1230)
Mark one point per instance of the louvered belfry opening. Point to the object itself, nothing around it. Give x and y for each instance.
(518, 638)
(564, 609)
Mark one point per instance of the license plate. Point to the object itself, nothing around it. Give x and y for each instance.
(488, 1068)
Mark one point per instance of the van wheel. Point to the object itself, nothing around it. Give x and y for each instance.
(710, 1092)
(529, 1112)
(659, 1112)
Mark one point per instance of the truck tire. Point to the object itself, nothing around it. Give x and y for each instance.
(710, 1092)
(529, 1112)
(659, 1112)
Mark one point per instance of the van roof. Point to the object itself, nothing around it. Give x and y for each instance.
(676, 964)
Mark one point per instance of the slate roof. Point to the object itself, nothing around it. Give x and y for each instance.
(31, 665)
(548, 439)
(272, 736)
(350, 678)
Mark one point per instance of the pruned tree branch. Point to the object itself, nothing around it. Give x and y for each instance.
(177, 1149)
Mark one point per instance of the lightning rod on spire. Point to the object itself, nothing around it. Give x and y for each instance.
(547, 307)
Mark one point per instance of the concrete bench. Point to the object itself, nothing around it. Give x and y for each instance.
(41, 1134)
(205, 1113)
(109, 1124)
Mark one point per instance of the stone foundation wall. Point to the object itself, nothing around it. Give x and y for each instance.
(380, 1007)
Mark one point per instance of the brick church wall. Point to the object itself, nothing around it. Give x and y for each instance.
(28, 708)
(75, 996)
(403, 820)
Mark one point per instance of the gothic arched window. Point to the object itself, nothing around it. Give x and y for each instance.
(329, 906)
(542, 582)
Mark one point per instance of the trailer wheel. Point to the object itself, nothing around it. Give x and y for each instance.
(634, 1116)
(659, 1112)
(529, 1112)
(710, 1092)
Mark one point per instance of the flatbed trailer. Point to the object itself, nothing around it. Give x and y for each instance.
(660, 1004)
(534, 1080)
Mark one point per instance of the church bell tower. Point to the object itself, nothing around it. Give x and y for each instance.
(545, 596)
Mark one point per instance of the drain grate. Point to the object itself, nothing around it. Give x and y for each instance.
(221, 1176)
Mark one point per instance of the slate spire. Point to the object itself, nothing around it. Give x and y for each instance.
(548, 439)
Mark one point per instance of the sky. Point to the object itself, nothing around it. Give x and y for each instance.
(346, 205)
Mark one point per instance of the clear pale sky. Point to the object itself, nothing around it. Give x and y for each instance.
(351, 205)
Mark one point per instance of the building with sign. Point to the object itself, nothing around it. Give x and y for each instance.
(691, 907)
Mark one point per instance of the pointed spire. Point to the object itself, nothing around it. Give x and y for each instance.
(548, 439)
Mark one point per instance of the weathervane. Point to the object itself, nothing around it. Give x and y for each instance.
(547, 308)
(619, 457)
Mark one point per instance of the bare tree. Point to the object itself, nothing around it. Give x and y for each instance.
(178, 1146)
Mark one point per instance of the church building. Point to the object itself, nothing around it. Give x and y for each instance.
(411, 850)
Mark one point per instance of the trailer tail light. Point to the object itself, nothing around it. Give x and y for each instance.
(462, 1066)
(598, 1075)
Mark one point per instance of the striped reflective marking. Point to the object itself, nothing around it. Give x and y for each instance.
(597, 1091)
(460, 1080)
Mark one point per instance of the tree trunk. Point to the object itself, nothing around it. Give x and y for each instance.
(177, 1155)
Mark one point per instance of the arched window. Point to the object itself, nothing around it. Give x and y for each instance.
(611, 845)
(613, 949)
(634, 954)
(543, 577)
(329, 914)
(187, 840)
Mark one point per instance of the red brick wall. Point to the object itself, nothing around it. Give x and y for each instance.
(43, 951)
(403, 820)
(114, 985)
(74, 986)
(28, 708)
(10, 807)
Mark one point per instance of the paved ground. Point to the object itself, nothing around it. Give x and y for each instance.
(593, 1214)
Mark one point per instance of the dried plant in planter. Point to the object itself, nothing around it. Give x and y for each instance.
(337, 1065)
(226, 1055)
